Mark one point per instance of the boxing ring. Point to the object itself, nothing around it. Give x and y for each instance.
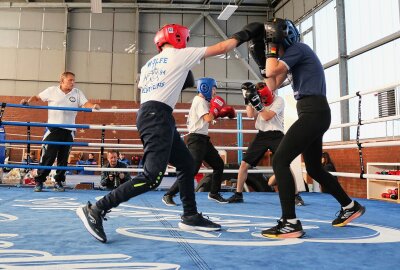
(41, 230)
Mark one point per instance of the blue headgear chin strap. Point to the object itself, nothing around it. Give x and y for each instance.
(205, 86)
(293, 34)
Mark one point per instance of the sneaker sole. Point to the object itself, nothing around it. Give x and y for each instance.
(186, 227)
(351, 218)
(237, 201)
(82, 216)
(285, 235)
(215, 200)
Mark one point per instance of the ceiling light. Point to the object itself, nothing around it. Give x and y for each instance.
(227, 12)
(96, 6)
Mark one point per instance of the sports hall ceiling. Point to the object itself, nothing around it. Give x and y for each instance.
(210, 5)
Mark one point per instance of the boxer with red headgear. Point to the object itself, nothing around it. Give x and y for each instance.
(161, 81)
(174, 34)
(260, 102)
(266, 95)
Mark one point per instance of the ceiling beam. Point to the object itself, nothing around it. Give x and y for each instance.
(142, 6)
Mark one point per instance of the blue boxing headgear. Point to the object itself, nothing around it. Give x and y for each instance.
(205, 86)
(291, 34)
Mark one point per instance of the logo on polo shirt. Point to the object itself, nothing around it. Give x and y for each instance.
(72, 99)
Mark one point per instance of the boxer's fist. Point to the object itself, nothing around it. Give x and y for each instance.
(227, 111)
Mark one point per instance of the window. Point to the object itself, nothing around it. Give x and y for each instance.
(371, 70)
(361, 26)
(326, 33)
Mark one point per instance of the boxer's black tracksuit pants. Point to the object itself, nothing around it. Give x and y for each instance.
(162, 145)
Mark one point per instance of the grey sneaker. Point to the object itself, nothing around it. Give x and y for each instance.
(198, 222)
(298, 200)
(58, 186)
(93, 221)
(168, 200)
(217, 198)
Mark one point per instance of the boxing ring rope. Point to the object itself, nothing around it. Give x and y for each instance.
(103, 169)
(238, 131)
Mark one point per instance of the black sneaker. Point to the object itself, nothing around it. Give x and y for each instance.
(216, 197)
(168, 200)
(58, 186)
(236, 198)
(298, 200)
(284, 229)
(198, 222)
(346, 216)
(38, 187)
(93, 221)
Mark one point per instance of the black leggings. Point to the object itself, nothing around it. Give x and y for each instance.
(305, 137)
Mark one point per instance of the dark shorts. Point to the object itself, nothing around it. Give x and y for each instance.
(264, 141)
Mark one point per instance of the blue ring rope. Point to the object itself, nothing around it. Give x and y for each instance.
(49, 108)
(36, 124)
(45, 142)
(64, 168)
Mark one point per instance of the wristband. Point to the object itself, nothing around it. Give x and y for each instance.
(271, 50)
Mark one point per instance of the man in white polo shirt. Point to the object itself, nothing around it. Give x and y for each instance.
(64, 95)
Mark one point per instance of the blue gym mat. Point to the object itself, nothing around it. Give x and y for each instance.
(42, 231)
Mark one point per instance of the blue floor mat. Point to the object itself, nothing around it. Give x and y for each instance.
(42, 231)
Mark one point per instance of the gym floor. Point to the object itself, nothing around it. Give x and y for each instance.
(42, 231)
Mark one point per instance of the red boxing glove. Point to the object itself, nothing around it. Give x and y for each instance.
(227, 111)
(217, 103)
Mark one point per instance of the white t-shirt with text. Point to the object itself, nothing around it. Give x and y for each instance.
(163, 76)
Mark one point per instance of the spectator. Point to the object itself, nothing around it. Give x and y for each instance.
(29, 160)
(82, 163)
(327, 162)
(111, 180)
(92, 162)
(123, 159)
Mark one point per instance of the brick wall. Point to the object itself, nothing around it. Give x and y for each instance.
(345, 160)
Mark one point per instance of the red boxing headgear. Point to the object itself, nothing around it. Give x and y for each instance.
(267, 94)
(174, 34)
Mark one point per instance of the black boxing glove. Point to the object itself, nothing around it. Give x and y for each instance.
(189, 82)
(250, 31)
(257, 51)
(254, 99)
(245, 86)
(275, 30)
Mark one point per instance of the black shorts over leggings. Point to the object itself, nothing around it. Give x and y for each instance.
(263, 141)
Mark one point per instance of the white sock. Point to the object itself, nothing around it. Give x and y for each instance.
(292, 220)
(347, 207)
